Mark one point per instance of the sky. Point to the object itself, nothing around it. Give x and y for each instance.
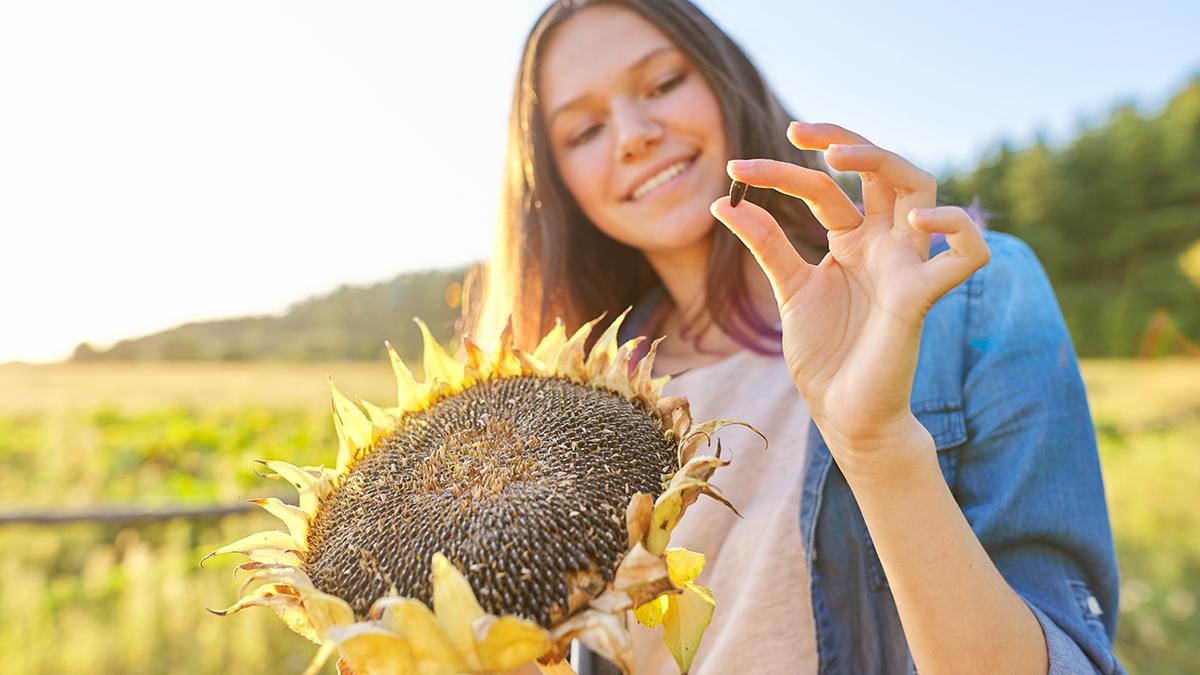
(171, 162)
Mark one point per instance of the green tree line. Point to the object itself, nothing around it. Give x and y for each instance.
(1114, 216)
(350, 323)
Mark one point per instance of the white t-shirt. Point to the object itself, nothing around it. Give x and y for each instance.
(763, 621)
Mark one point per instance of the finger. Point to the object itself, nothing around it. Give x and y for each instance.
(892, 186)
(902, 175)
(828, 203)
(771, 248)
(819, 136)
(878, 197)
(968, 250)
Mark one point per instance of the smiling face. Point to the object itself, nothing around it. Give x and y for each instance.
(636, 131)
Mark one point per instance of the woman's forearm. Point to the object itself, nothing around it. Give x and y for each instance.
(958, 612)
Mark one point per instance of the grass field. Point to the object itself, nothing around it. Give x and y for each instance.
(1148, 426)
(96, 599)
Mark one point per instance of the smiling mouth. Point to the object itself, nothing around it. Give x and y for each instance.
(661, 177)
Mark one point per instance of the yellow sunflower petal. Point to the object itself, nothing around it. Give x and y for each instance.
(326, 611)
(612, 601)
(412, 621)
(293, 577)
(643, 576)
(684, 621)
(603, 633)
(572, 358)
(370, 650)
(679, 417)
(455, 607)
(410, 394)
(684, 565)
(651, 613)
(264, 547)
(282, 599)
(699, 466)
(353, 428)
(381, 422)
(556, 668)
(688, 484)
(637, 517)
(530, 363)
(479, 366)
(657, 385)
(617, 377)
(264, 596)
(548, 349)
(603, 352)
(666, 407)
(505, 363)
(438, 364)
(508, 642)
(668, 509)
(642, 381)
(712, 492)
(703, 433)
(295, 518)
(312, 489)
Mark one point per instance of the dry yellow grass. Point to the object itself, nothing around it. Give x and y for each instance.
(132, 387)
(1134, 395)
(1134, 392)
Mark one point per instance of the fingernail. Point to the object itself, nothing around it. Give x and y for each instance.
(738, 165)
(833, 147)
(800, 125)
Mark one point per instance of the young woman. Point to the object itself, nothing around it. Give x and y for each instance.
(930, 497)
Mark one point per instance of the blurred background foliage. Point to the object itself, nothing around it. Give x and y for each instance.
(1114, 216)
(96, 598)
(352, 322)
(108, 598)
(172, 420)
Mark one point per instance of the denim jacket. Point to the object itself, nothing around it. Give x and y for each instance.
(998, 387)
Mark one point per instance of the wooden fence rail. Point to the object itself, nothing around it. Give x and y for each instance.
(117, 516)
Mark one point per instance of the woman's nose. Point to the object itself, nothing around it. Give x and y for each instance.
(637, 132)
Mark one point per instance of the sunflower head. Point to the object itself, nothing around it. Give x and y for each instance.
(508, 504)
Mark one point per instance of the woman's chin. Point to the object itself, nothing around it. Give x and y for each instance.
(675, 240)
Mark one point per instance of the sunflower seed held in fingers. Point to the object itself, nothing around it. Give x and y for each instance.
(736, 192)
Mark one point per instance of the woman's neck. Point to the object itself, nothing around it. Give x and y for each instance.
(693, 340)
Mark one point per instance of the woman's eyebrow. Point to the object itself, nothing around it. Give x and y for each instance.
(650, 56)
(633, 67)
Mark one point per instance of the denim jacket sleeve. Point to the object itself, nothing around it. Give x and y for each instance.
(1028, 479)
(998, 388)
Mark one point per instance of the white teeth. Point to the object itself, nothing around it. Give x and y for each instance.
(660, 178)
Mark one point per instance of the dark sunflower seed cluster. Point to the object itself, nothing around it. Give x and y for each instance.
(521, 482)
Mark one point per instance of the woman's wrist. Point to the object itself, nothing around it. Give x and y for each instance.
(895, 454)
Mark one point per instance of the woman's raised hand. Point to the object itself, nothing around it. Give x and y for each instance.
(852, 324)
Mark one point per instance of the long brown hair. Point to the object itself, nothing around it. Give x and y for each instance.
(551, 261)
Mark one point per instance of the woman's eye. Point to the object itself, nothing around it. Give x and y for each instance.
(667, 86)
(585, 135)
